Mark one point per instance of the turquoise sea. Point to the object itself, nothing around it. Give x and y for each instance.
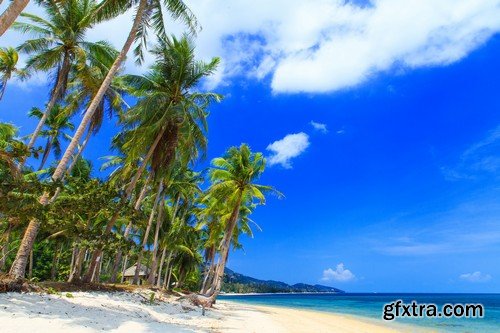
(370, 305)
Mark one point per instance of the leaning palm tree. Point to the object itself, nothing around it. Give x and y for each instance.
(57, 123)
(8, 67)
(59, 44)
(233, 178)
(83, 87)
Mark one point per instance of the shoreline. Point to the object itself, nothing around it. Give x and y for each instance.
(116, 312)
(289, 319)
(287, 293)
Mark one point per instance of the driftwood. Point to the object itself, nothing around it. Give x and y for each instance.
(199, 300)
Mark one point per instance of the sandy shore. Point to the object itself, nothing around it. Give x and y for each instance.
(89, 312)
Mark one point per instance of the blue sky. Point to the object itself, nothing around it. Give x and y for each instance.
(386, 144)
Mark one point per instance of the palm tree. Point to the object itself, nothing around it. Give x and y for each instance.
(157, 202)
(167, 88)
(82, 88)
(148, 13)
(57, 122)
(11, 13)
(182, 184)
(12, 151)
(59, 43)
(233, 178)
(8, 63)
(168, 115)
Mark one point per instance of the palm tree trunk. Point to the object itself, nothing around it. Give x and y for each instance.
(118, 256)
(169, 275)
(154, 262)
(4, 85)
(124, 267)
(61, 167)
(211, 277)
(78, 153)
(210, 269)
(11, 13)
(5, 248)
(30, 266)
(97, 274)
(18, 268)
(46, 152)
(73, 257)
(62, 76)
(166, 270)
(77, 266)
(93, 266)
(162, 261)
(55, 259)
(145, 161)
(146, 233)
(224, 249)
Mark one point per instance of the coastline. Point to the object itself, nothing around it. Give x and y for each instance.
(91, 312)
(276, 319)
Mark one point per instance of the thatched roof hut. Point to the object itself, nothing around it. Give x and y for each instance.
(129, 273)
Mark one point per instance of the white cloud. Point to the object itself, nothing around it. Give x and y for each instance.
(319, 126)
(287, 148)
(324, 45)
(339, 274)
(475, 277)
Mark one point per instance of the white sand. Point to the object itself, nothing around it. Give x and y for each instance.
(89, 312)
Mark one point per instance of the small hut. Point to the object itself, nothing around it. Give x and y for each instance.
(128, 275)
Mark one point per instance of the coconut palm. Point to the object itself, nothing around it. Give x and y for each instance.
(59, 44)
(12, 150)
(168, 115)
(8, 67)
(148, 13)
(57, 122)
(83, 86)
(233, 178)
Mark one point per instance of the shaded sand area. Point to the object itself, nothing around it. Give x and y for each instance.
(88, 312)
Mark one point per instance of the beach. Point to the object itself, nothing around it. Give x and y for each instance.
(87, 312)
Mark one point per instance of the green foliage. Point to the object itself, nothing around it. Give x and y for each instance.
(152, 298)
(160, 139)
(52, 291)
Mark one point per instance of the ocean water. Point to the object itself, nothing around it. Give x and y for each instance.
(370, 305)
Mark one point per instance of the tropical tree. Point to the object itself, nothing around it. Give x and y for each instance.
(57, 122)
(8, 67)
(59, 44)
(83, 87)
(148, 13)
(168, 88)
(12, 150)
(169, 115)
(233, 178)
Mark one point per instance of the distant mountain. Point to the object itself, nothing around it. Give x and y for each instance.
(239, 283)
